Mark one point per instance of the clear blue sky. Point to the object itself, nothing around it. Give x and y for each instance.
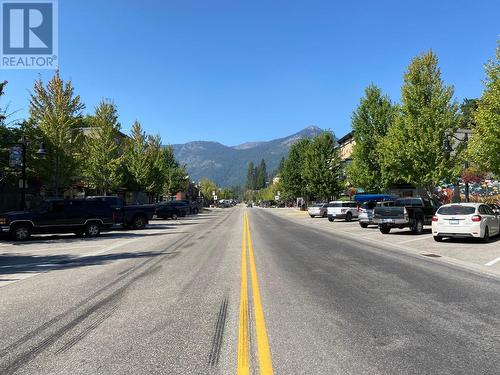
(234, 71)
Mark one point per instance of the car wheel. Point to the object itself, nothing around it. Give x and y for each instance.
(438, 238)
(348, 217)
(139, 222)
(331, 219)
(486, 236)
(418, 227)
(384, 230)
(174, 216)
(363, 225)
(93, 230)
(21, 232)
(311, 215)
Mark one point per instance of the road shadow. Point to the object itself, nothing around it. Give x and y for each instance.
(471, 240)
(72, 239)
(408, 232)
(17, 263)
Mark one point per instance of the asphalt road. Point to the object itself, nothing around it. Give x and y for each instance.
(174, 300)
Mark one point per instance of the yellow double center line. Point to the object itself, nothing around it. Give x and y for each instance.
(263, 351)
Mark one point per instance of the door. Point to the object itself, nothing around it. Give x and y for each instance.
(491, 219)
(53, 218)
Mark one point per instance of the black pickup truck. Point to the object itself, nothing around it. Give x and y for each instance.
(411, 213)
(134, 216)
(59, 216)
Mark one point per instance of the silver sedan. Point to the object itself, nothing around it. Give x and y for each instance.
(318, 209)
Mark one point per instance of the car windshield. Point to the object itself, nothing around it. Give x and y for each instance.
(368, 205)
(317, 205)
(336, 204)
(456, 210)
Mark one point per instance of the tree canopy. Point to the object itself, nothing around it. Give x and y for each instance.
(370, 123)
(412, 152)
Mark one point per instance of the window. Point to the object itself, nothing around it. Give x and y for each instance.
(57, 207)
(456, 210)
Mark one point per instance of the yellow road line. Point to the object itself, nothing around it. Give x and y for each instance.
(243, 338)
(265, 363)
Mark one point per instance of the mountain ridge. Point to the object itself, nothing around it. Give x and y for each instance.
(227, 165)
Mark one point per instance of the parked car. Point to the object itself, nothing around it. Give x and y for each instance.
(342, 210)
(77, 216)
(366, 212)
(194, 207)
(495, 207)
(135, 216)
(465, 220)
(318, 209)
(411, 213)
(172, 210)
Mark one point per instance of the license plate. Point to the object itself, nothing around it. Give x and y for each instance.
(454, 222)
(388, 221)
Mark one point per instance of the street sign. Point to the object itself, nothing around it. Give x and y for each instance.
(276, 197)
(215, 197)
(16, 157)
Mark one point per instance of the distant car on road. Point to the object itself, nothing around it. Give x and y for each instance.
(134, 216)
(465, 220)
(367, 209)
(172, 210)
(318, 209)
(411, 213)
(77, 216)
(342, 210)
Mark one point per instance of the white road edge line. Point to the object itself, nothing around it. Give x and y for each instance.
(493, 262)
(421, 237)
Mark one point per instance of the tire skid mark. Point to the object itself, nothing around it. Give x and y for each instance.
(174, 246)
(214, 356)
(45, 344)
(21, 359)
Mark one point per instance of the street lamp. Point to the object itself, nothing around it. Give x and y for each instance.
(448, 149)
(41, 153)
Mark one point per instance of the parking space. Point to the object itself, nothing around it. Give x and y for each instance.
(43, 253)
(467, 252)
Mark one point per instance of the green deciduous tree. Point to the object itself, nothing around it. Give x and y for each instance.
(412, 150)
(321, 168)
(102, 157)
(291, 178)
(370, 123)
(137, 159)
(207, 187)
(56, 114)
(484, 145)
(156, 169)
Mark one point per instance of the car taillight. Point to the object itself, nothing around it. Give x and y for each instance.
(3, 220)
(434, 218)
(476, 218)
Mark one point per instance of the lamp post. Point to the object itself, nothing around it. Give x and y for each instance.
(448, 149)
(41, 152)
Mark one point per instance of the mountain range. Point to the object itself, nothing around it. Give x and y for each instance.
(227, 165)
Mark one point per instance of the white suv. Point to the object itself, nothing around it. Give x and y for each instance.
(342, 210)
